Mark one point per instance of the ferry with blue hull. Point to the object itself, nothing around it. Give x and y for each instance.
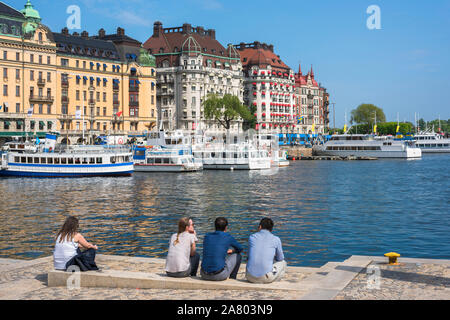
(70, 161)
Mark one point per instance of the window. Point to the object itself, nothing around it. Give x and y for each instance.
(17, 74)
(5, 73)
(5, 55)
(40, 59)
(49, 77)
(65, 62)
(32, 58)
(17, 107)
(5, 90)
(17, 91)
(49, 61)
(31, 75)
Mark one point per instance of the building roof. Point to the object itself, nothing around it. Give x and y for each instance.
(261, 55)
(30, 12)
(9, 11)
(302, 80)
(119, 37)
(82, 45)
(170, 40)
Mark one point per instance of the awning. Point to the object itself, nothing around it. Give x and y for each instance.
(92, 63)
(98, 64)
(105, 66)
(133, 70)
(116, 81)
(49, 123)
(226, 64)
(6, 123)
(41, 123)
(98, 79)
(138, 82)
(78, 77)
(19, 122)
(32, 122)
(105, 80)
(92, 78)
(85, 78)
(218, 63)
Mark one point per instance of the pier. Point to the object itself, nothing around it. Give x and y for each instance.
(124, 277)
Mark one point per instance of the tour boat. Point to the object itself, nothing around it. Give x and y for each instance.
(367, 146)
(283, 158)
(239, 156)
(431, 142)
(67, 161)
(162, 159)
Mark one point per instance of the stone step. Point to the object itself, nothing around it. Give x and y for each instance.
(142, 280)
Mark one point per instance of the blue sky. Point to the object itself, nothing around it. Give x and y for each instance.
(402, 68)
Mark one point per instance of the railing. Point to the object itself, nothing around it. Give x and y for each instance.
(41, 82)
(42, 98)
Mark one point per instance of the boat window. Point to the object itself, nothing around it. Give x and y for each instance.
(127, 159)
(23, 159)
(63, 160)
(91, 160)
(158, 160)
(36, 160)
(56, 161)
(224, 155)
(245, 155)
(99, 160)
(213, 154)
(44, 160)
(113, 159)
(166, 160)
(77, 161)
(85, 160)
(16, 159)
(235, 155)
(69, 160)
(50, 160)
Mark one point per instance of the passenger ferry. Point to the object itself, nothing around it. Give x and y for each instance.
(367, 146)
(162, 159)
(270, 143)
(241, 156)
(68, 161)
(161, 152)
(431, 142)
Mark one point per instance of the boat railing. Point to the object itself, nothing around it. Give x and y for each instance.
(80, 149)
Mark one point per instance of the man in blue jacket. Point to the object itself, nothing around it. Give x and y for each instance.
(221, 254)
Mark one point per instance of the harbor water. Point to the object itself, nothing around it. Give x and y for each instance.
(323, 210)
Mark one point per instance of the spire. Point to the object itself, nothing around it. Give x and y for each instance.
(299, 69)
(312, 72)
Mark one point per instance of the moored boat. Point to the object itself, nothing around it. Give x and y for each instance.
(360, 145)
(68, 161)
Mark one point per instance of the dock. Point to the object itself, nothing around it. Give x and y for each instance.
(132, 278)
(335, 158)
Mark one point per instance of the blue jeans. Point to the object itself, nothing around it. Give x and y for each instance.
(232, 264)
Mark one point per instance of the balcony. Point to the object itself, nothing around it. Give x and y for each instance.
(116, 103)
(134, 88)
(115, 118)
(115, 87)
(65, 99)
(91, 101)
(44, 99)
(64, 83)
(41, 82)
(134, 103)
(65, 117)
(12, 115)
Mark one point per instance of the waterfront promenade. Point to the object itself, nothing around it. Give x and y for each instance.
(359, 277)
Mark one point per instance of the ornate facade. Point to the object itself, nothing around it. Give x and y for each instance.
(191, 63)
(72, 83)
(269, 88)
(312, 104)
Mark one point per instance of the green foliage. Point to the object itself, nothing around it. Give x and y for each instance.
(365, 114)
(445, 125)
(386, 128)
(335, 130)
(225, 109)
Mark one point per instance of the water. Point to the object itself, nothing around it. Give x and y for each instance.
(323, 210)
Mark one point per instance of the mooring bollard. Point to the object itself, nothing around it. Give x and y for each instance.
(392, 258)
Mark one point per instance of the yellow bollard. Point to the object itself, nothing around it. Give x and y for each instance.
(392, 258)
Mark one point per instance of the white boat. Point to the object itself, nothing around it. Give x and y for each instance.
(239, 156)
(283, 158)
(431, 142)
(70, 161)
(367, 146)
(161, 159)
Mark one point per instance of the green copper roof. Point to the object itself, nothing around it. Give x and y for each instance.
(30, 12)
(146, 59)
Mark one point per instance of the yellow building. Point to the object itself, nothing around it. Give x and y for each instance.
(75, 84)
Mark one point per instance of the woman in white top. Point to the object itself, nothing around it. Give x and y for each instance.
(182, 259)
(67, 242)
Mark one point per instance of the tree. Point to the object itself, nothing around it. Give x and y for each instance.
(225, 110)
(365, 114)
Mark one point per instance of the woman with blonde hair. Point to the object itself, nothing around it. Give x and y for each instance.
(68, 241)
(182, 259)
